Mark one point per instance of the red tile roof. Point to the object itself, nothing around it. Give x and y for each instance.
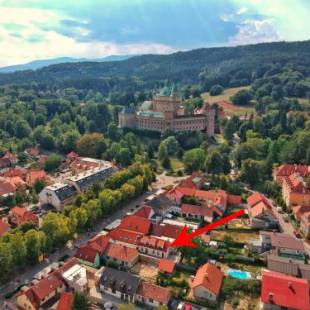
(286, 170)
(210, 277)
(125, 236)
(21, 215)
(72, 155)
(65, 301)
(191, 181)
(122, 252)
(14, 172)
(36, 174)
(166, 265)
(257, 198)
(87, 253)
(136, 224)
(144, 212)
(281, 240)
(166, 230)
(259, 209)
(155, 292)
(285, 291)
(4, 227)
(154, 243)
(196, 210)
(45, 287)
(99, 243)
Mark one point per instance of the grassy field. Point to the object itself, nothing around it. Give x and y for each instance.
(176, 164)
(229, 108)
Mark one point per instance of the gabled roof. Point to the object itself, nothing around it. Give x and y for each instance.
(285, 291)
(256, 198)
(154, 243)
(281, 240)
(144, 212)
(87, 253)
(136, 224)
(166, 230)
(300, 210)
(287, 169)
(125, 236)
(36, 174)
(65, 301)
(99, 243)
(155, 292)
(4, 227)
(259, 209)
(121, 252)
(196, 210)
(22, 215)
(6, 188)
(166, 265)
(210, 277)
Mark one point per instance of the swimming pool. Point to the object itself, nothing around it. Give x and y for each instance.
(239, 274)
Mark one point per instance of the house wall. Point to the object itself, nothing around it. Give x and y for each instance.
(116, 294)
(123, 263)
(148, 301)
(153, 252)
(49, 197)
(201, 292)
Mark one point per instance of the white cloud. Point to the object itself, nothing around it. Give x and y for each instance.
(255, 31)
(242, 10)
(28, 34)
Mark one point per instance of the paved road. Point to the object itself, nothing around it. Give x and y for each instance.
(28, 275)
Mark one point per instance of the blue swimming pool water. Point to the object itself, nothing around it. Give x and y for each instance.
(239, 274)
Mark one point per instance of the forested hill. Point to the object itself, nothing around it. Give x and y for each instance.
(228, 66)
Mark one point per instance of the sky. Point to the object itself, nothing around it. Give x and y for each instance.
(43, 29)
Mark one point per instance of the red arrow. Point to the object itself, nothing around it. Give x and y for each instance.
(185, 239)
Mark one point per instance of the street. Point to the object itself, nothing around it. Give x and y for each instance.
(28, 275)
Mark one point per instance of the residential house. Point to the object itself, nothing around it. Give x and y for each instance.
(32, 152)
(260, 212)
(14, 172)
(120, 284)
(145, 212)
(153, 295)
(166, 231)
(153, 246)
(125, 237)
(33, 175)
(196, 180)
(305, 224)
(136, 224)
(288, 266)
(286, 170)
(201, 213)
(7, 188)
(166, 266)
(80, 164)
(40, 293)
(298, 211)
(65, 301)
(280, 291)
(76, 278)
(4, 227)
(19, 216)
(207, 283)
(88, 256)
(122, 255)
(7, 305)
(295, 190)
(57, 195)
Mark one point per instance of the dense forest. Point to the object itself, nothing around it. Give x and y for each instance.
(227, 66)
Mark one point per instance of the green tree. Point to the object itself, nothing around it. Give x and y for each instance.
(125, 157)
(18, 248)
(216, 90)
(6, 261)
(52, 163)
(242, 97)
(193, 159)
(214, 163)
(33, 244)
(81, 302)
(91, 145)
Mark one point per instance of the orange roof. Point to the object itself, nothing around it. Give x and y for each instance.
(259, 209)
(36, 174)
(4, 228)
(22, 215)
(154, 243)
(14, 172)
(300, 210)
(155, 292)
(210, 277)
(287, 169)
(72, 155)
(166, 265)
(99, 243)
(166, 230)
(190, 181)
(125, 236)
(121, 252)
(136, 223)
(65, 301)
(256, 198)
(144, 212)
(86, 253)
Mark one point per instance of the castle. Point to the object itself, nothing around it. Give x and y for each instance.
(166, 112)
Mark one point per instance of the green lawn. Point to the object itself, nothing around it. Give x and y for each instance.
(229, 108)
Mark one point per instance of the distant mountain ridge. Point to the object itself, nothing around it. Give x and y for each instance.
(37, 64)
(227, 66)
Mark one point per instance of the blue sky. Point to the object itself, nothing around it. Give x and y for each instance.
(40, 29)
